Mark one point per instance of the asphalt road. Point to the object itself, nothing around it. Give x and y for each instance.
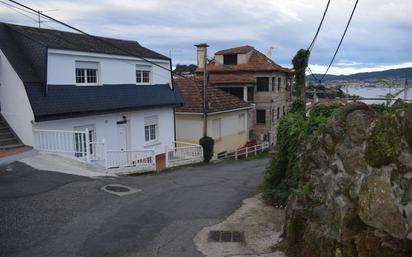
(51, 214)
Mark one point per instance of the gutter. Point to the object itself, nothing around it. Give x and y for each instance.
(220, 112)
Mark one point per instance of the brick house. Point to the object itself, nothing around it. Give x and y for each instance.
(253, 77)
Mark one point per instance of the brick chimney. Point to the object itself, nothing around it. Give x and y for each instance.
(201, 53)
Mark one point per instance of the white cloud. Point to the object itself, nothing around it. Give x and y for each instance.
(380, 33)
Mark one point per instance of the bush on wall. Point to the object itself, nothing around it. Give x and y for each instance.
(282, 177)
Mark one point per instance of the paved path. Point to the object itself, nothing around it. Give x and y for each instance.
(50, 214)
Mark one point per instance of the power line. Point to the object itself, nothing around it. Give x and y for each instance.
(100, 39)
(341, 40)
(14, 8)
(339, 45)
(19, 8)
(87, 34)
(319, 27)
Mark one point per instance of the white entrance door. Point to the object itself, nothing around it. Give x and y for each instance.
(122, 137)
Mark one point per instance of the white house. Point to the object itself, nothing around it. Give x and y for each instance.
(57, 86)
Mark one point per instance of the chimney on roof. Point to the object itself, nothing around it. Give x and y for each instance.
(201, 54)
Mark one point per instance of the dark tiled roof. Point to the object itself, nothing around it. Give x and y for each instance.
(79, 42)
(67, 101)
(26, 48)
(218, 100)
(236, 50)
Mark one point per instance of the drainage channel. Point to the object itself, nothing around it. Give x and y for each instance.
(226, 236)
(119, 190)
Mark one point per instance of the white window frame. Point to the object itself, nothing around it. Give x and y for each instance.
(218, 123)
(92, 138)
(141, 69)
(150, 122)
(93, 66)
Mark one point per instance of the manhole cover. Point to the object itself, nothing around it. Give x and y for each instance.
(119, 190)
(226, 236)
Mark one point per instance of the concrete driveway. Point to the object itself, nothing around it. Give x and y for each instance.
(51, 214)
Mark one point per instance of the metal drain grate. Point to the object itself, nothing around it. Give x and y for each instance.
(226, 236)
(119, 190)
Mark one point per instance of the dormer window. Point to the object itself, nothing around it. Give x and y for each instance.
(230, 59)
(87, 73)
(143, 74)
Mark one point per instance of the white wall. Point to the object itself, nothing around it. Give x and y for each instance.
(112, 69)
(190, 127)
(229, 123)
(15, 105)
(106, 127)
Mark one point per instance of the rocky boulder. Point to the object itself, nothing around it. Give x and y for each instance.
(355, 197)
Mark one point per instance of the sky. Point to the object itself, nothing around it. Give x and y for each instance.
(379, 38)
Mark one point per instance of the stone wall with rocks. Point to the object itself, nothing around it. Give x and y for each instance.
(355, 198)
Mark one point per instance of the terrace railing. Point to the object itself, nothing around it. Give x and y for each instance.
(182, 153)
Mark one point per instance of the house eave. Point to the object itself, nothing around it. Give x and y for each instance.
(215, 113)
(62, 116)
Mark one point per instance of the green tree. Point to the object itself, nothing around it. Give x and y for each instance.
(300, 63)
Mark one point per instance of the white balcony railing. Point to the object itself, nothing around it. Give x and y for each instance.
(141, 160)
(98, 151)
(74, 143)
(78, 144)
(245, 152)
(182, 153)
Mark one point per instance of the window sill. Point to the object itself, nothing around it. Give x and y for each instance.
(152, 143)
(143, 84)
(241, 132)
(88, 85)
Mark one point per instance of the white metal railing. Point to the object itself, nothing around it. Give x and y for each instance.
(75, 143)
(141, 160)
(98, 151)
(245, 151)
(182, 153)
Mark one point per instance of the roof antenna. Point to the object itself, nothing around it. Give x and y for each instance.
(40, 13)
(270, 52)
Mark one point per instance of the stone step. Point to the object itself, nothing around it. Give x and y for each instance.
(6, 135)
(8, 141)
(5, 147)
(4, 130)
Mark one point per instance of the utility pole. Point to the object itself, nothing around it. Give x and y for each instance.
(204, 93)
(405, 92)
(202, 63)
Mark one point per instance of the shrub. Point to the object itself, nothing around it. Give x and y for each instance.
(282, 177)
(297, 106)
(207, 144)
(384, 108)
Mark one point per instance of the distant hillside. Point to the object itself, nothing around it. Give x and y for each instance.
(394, 73)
